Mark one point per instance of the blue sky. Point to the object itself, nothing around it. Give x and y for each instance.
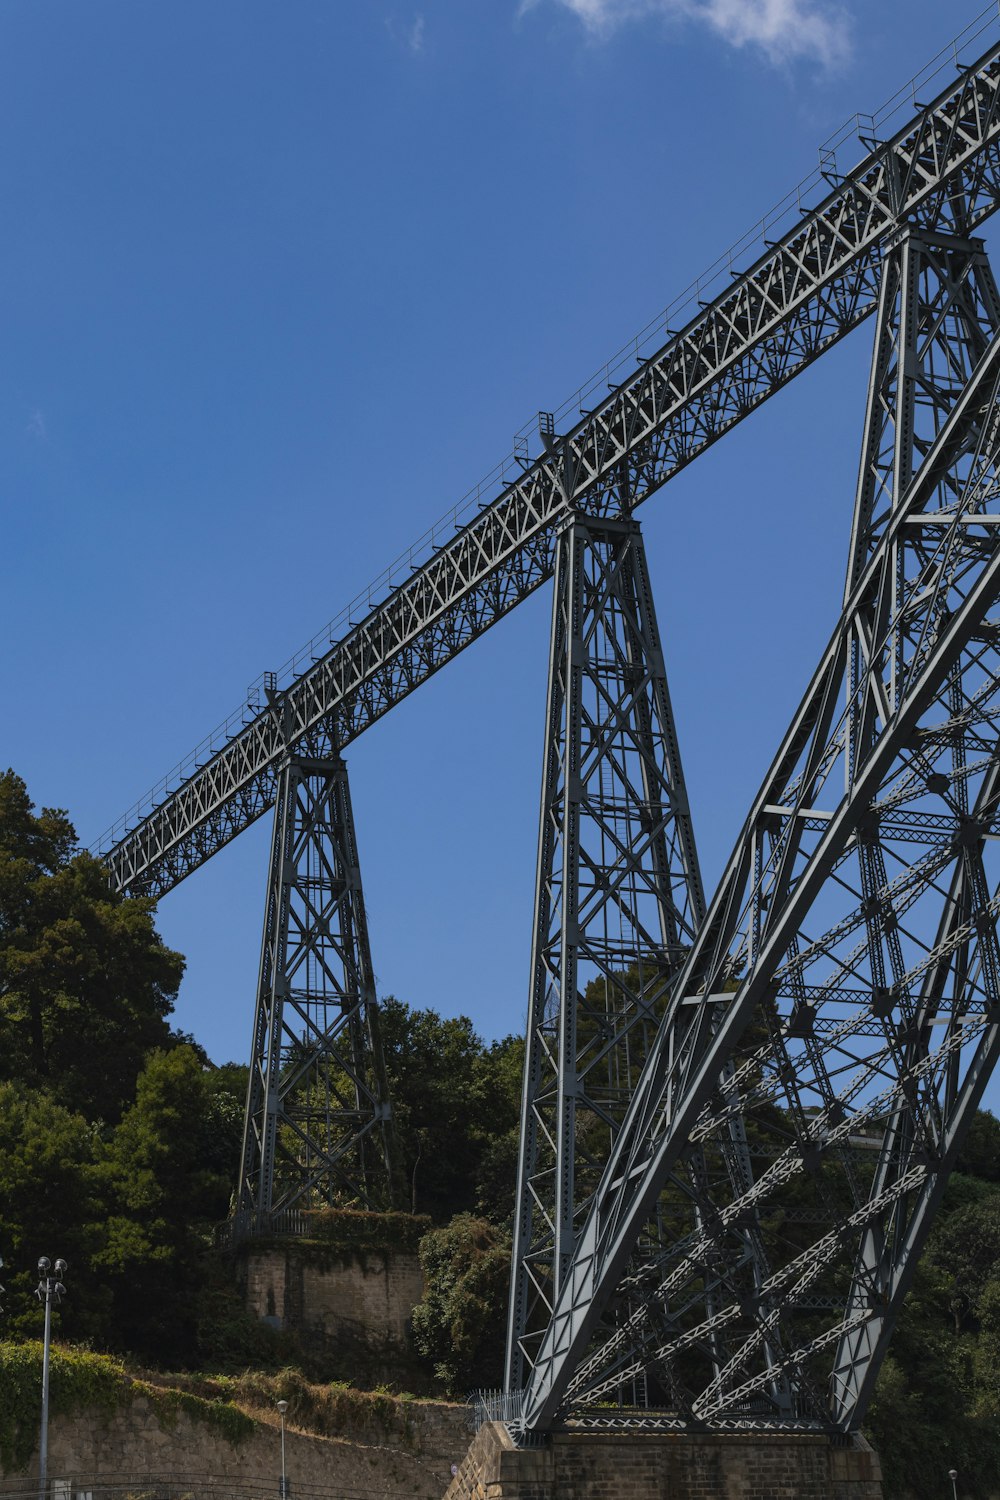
(280, 282)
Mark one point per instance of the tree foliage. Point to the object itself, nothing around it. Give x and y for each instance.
(928, 1415)
(50, 1206)
(163, 1186)
(460, 1324)
(453, 1099)
(86, 983)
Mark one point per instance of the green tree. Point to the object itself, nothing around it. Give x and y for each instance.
(923, 1420)
(459, 1325)
(453, 1098)
(987, 1350)
(498, 1085)
(52, 1206)
(965, 1248)
(166, 1184)
(227, 1093)
(86, 983)
(980, 1153)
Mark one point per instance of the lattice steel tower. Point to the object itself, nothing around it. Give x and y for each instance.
(618, 898)
(318, 1122)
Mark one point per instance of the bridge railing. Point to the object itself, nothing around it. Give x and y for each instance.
(286, 1222)
(505, 1407)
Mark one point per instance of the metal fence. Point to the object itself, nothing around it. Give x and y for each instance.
(505, 1407)
(285, 1222)
(494, 1406)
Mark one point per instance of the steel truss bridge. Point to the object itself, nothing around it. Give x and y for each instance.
(739, 1114)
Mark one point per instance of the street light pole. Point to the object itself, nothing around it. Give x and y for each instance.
(283, 1485)
(49, 1289)
(953, 1476)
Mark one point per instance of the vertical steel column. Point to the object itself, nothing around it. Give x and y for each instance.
(318, 1127)
(938, 310)
(618, 898)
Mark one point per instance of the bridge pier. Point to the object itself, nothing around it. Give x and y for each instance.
(618, 899)
(318, 1129)
(576, 1465)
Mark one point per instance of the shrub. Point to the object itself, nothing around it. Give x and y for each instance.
(459, 1325)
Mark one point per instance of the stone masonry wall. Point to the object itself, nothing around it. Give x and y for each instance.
(665, 1466)
(136, 1442)
(359, 1307)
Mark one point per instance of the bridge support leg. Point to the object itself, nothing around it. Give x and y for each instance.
(939, 310)
(318, 1128)
(618, 898)
(852, 947)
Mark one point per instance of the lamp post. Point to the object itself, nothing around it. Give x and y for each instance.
(953, 1476)
(49, 1289)
(283, 1483)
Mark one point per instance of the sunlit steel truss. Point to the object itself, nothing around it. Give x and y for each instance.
(618, 898)
(942, 171)
(847, 974)
(318, 1129)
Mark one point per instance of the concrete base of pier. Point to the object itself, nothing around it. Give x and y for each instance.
(666, 1466)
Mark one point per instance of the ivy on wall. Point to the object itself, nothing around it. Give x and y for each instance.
(81, 1381)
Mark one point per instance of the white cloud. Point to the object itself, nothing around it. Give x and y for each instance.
(410, 36)
(784, 30)
(36, 426)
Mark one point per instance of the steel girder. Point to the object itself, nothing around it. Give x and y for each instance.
(618, 898)
(847, 973)
(318, 1127)
(818, 282)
